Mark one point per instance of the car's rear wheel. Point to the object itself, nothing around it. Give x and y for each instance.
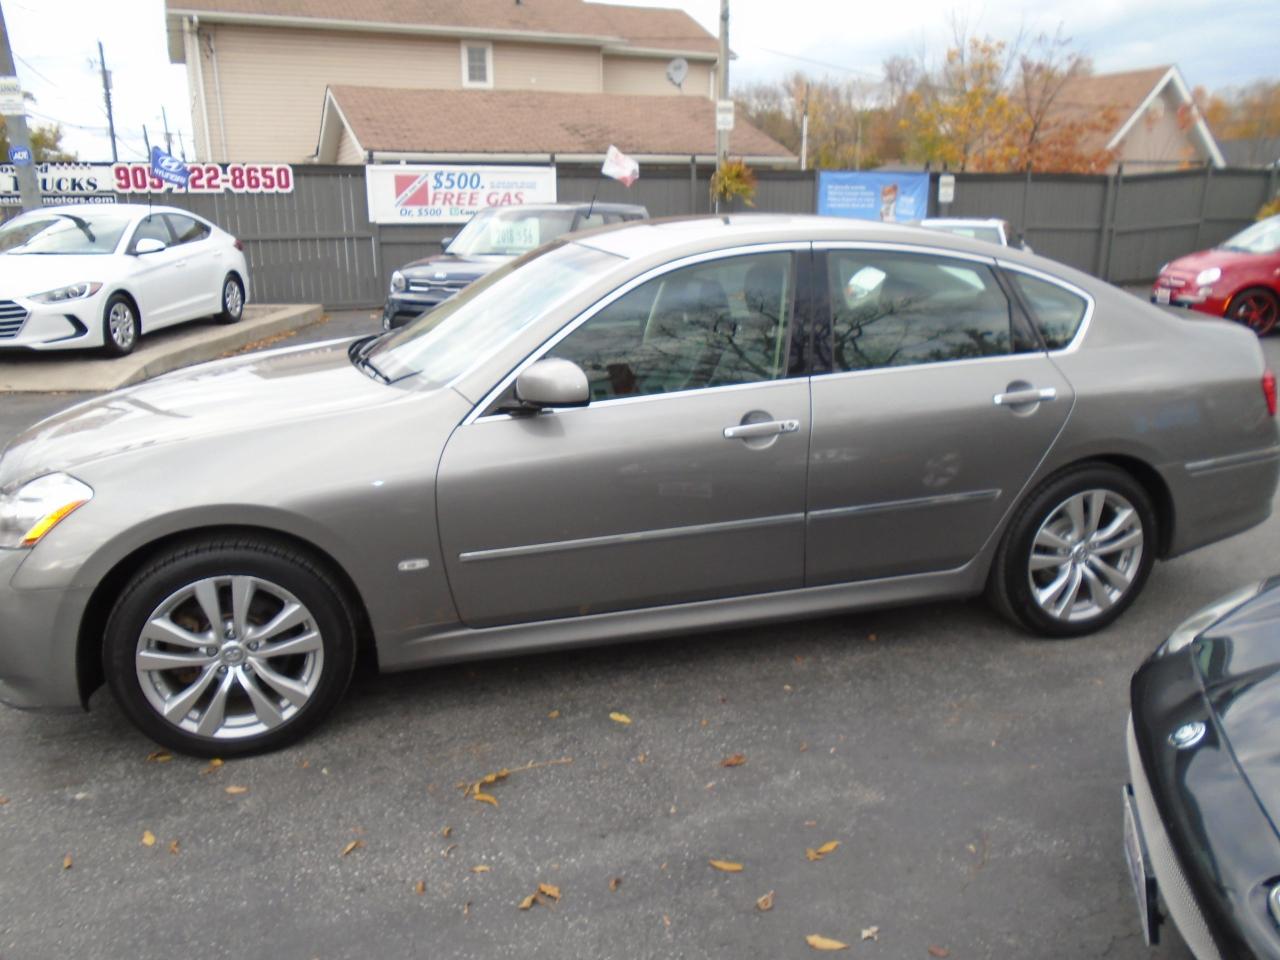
(225, 647)
(119, 326)
(1257, 308)
(232, 300)
(1076, 553)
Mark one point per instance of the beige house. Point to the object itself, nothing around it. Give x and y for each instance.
(259, 70)
(1157, 125)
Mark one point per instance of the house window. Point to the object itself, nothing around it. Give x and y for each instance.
(477, 65)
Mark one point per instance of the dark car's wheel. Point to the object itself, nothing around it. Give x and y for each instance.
(232, 300)
(119, 326)
(1257, 308)
(1076, 553)
(229, 646)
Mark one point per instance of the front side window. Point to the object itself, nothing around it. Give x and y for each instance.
(477, 65)
(707, 325)
(898, 309)
(1056, 312)
(152, 227)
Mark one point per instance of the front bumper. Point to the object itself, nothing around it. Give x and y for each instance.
(403, 308)
(1178, 292)
(39, 633)
(71, 325)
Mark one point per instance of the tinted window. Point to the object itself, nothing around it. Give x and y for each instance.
(708, 325)
(187, 229)
(1056, 312)
(152, 228)
(895, 309)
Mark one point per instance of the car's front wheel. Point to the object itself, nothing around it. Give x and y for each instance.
(119, 326)
(1257, 308)
(1076, 553)
(232, 300)
(231, 646)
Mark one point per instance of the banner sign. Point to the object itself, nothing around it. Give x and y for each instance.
(168, 168)
(100, 182)
(873, 196)
(418, 193)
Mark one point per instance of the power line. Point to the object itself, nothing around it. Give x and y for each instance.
(24, 62)
(821, 63)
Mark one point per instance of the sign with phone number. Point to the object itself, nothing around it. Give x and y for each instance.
(421, 193)
(206, 178)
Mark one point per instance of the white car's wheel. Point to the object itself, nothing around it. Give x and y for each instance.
(119, 326)
(232, 299)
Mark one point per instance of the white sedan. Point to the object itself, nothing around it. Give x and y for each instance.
(94, 275)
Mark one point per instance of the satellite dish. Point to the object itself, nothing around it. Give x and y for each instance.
(677, 70)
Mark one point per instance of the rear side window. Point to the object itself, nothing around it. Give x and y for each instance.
(187, 229)
(1056, 312)
(899, 309)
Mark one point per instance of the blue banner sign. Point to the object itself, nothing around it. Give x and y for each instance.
(873, 196)
(168, 168)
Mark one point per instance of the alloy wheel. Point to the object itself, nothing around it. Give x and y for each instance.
(229, 657)
(232, 299)
(123, 325)
(1085, 555)
(1257, 311)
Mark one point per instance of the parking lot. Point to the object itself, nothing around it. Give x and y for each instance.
(970, 774)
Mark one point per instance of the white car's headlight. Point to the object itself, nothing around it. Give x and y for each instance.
(72, 291)
(30, 512)
(1206, 277)
(398, 282)
(1202, 620)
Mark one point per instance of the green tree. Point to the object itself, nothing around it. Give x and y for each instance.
(46, 144)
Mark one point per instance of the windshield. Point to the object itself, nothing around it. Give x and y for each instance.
(1262, 237)
(53, 233)
(510, 231)
(447, 341)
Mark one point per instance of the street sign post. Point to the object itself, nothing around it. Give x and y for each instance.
(724, 115)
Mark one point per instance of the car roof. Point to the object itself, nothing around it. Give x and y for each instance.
(963, 221)
(129, 209)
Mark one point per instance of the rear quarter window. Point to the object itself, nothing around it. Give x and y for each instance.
(1056, 311)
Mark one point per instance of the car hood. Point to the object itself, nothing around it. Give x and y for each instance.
(453, 267)
(1224, 260)
(1239, 658)
(226, 396)
(24, 274)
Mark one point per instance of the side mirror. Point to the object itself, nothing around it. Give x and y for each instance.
(148, 245)
(552, 383)
(444, 242)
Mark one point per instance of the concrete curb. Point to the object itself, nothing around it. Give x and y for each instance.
(158, 353)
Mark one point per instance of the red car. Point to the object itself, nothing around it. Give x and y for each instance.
(1239, 279)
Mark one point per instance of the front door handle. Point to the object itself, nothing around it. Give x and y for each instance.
(769, 428)
(1016, 398)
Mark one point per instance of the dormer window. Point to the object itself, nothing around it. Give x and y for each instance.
(477, 64)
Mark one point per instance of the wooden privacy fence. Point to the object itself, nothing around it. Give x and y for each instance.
(316, 245)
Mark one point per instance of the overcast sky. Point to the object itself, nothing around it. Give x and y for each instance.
(1227, 43)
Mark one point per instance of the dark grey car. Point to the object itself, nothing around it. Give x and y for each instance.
(640, 431)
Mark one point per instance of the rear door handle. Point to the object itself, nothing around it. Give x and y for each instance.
(769, 428)
(1016, 398)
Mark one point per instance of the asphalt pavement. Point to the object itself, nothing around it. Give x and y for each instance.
(971, 775)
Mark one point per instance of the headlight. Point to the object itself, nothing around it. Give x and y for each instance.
(398, 282)
(1163, 268)
(1203, 619)
(30, 512)
(1273, 901)
(1206, 277)
(72, 291)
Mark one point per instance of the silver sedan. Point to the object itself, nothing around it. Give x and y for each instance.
(629, 433)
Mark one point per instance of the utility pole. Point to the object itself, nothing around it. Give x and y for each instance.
(182, 147)
(16, 125)
(804, 131)
(147, 140)
(106, 96)
(722, 136)
(168, 138)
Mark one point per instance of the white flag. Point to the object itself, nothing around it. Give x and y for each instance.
(621, 167)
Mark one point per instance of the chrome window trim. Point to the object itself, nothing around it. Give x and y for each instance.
(725, 253)
(1066, 285)
(912, 503)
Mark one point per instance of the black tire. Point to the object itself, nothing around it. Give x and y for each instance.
(1010, 585)
(232, 299)
(1257, 308)
(120, 326)
(277, 567)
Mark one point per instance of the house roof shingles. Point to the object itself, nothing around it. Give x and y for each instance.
(524, 122)
(640, 27)
(1089, 95)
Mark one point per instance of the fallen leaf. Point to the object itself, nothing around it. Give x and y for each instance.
(828, 847)
(66, 862)
(728, 866)
(148, 838)
(448, 850)
(466, 909)
(553, 715)
(787, 687)
(804, 747)
(446, 832)
(488, 798)
(824, 943)
(420, 887)
(3, 800)
(235, 790)
(214, 764)
(481, 868)
(703, 723)
(872, 637)
(159, 756)
(621, 718)
(642, 758)
(614, 884)
(528, 901)
(811, 823)
(305, 764)
(736, 760)
(173, 847)
(547, 890)
(353, 845)
(871, 933)
(489, 778)
(939, 952)
(765, 902)
(666, 921)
